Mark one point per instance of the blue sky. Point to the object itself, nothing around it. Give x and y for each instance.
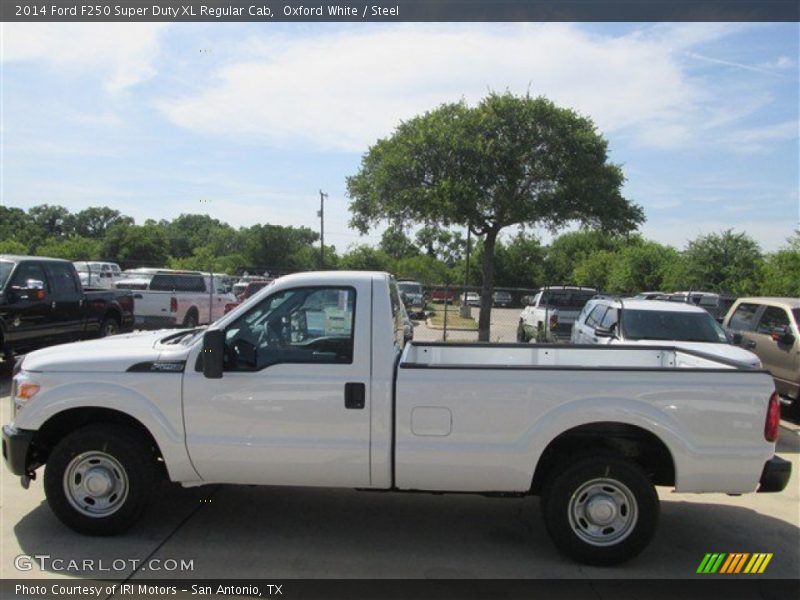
(246, 122)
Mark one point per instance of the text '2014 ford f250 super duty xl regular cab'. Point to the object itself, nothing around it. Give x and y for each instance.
(309, 383)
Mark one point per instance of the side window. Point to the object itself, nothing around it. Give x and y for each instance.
(610, 318)
(304, 325)
(596, 316)
(774, 320)
(63, 281)
(28, 271)
(743, 319)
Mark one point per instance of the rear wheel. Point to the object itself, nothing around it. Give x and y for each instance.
(190, 320)
(99, 478)
(108, 327)
(522, 337)
(600, 510)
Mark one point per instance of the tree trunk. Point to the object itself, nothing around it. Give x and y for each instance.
(487, 287)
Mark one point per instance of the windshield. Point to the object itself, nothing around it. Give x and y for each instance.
(5, 271)
(83, 267)
(574, 299)
(673, 326)
(409, 288)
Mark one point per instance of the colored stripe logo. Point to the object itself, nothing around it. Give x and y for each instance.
(735, 562)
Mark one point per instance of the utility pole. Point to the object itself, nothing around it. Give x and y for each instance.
(321, 215)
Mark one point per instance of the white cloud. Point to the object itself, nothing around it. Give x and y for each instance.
(124, 54)
(343, 90)
(758, 139)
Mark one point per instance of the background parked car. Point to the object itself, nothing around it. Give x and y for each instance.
(472, 299)
(98, 274)
(606, 320)
(502, 299)
(413, 297)
(551, 312)
(442, 295)
(717, 305)
(769, 327)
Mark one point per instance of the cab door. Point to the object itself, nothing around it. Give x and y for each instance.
(779, 358)
(293, 404)
(27, 313)
(66, 300)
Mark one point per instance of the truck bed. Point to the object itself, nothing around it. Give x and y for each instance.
(475, 417)
(551, 356)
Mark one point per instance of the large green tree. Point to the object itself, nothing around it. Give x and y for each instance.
(723, 262)
(509, 160)
(781, 274)
(93, 222)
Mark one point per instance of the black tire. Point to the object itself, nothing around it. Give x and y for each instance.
(109, 326)
(608, 480)
(130, 452)
(521, 336)
(190, 320)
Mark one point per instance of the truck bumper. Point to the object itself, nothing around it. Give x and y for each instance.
(15, 448)
(775, 475)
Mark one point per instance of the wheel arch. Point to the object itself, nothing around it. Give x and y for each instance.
(622, 439)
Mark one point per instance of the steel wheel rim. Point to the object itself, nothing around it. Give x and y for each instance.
(603, 512)
(95, 484)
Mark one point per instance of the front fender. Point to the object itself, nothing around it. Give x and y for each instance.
(152, 399)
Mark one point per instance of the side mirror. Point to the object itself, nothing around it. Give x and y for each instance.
(32, 290)
(604, 332)
(213, 353)
(784, 338)
(737, 339)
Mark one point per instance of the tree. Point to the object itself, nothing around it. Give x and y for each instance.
(52, 221)
(397, 244)
(136, 245)
(277, 247)
(520, 262)
(8, 246)
(509, 160)
(365, 258)
(640, 267)
(781, 273)
(446, 246)
(723, 262)
(93, 222)
(73, 248)
(568, 250)
(594, 269)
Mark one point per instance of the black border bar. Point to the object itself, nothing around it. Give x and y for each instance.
(396, 11)
(732, 587)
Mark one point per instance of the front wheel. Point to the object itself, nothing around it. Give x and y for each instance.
(99, 478)
(600, 510)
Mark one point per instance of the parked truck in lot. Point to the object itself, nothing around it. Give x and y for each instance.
(181, 299)
(310, 383)
(42, 302)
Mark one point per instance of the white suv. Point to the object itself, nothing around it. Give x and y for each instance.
(607, 320)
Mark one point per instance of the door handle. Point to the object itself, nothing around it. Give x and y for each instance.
(354, 395)
(749, 344)
(53, 304)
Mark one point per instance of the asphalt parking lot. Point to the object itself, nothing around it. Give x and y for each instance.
(247, 532)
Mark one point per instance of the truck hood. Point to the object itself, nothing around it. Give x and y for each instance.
(113, 354)
(726, 351)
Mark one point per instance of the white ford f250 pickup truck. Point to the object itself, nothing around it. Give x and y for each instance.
(310, 384)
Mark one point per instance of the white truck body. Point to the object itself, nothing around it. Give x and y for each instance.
(190, 300)
(433, 417)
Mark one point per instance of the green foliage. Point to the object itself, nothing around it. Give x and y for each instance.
(781, 271)
(425, 269)
(8, 246)
(72, 248)
(594, 270)
(446, 246)
(366, 258)
(136, 245)
(509, 160)
(520, 262)
(723, 262)
(640, 267)
(569, 249)
(94, 221)
(395, 243)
